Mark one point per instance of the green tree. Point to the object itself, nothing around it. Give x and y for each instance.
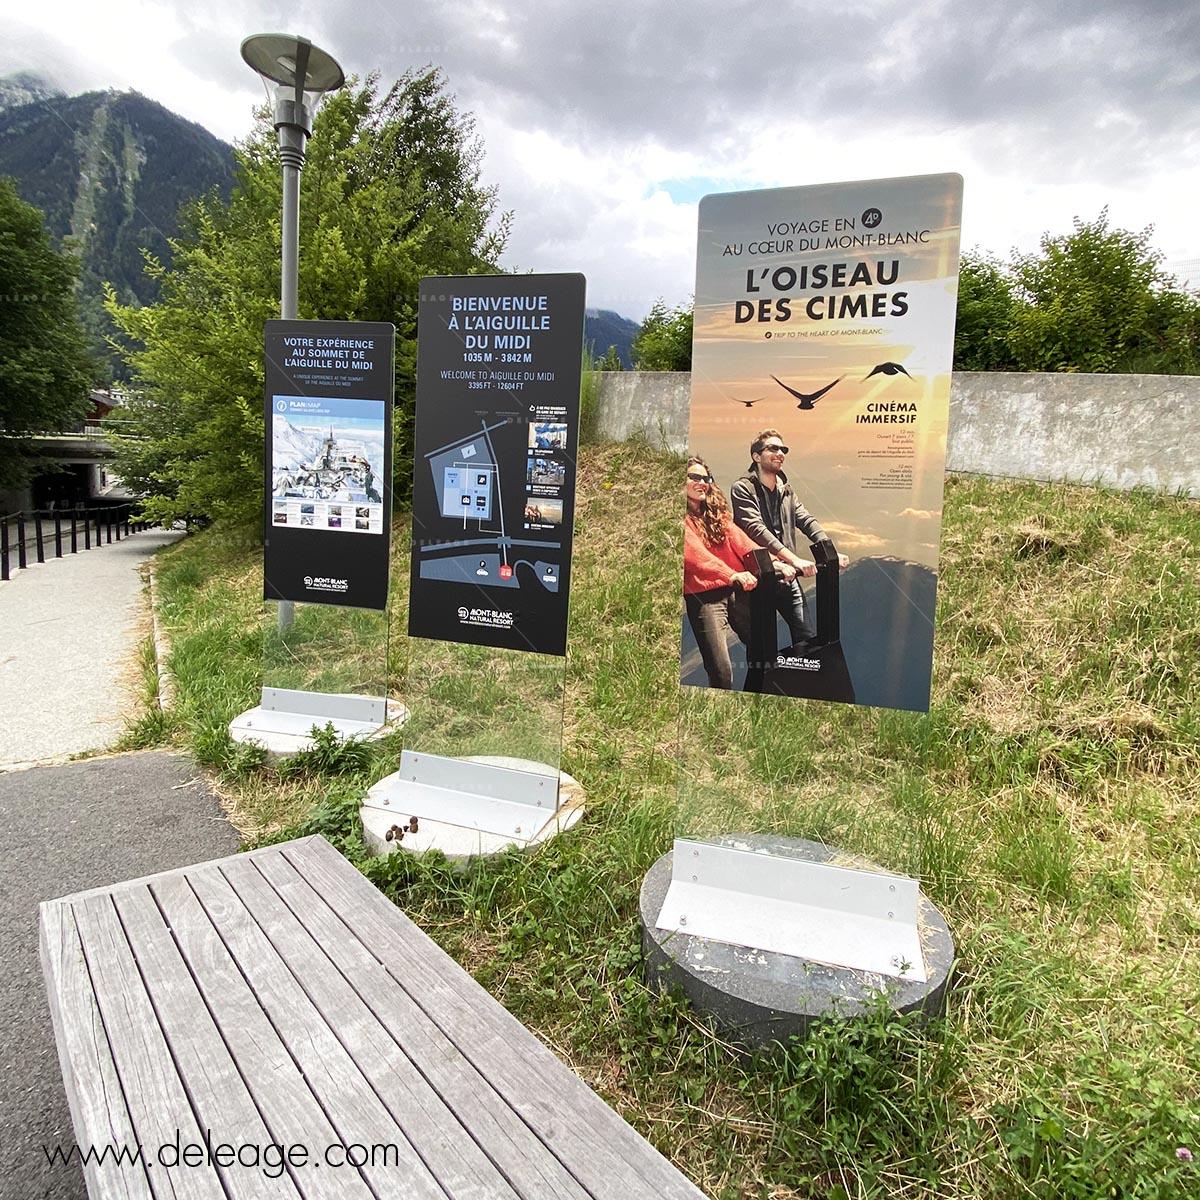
(610, 362)
(1097, 299)
(45, 369)
(391, 191)
(987, 304)
(664, 342)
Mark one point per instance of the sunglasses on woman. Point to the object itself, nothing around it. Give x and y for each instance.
(699, 478)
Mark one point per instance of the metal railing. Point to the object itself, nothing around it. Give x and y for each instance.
(62, 531)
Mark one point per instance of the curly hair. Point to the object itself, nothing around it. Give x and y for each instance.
(714, 508)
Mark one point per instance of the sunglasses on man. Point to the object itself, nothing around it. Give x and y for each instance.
(775, 448)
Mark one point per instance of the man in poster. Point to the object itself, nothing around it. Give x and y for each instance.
(767, 509)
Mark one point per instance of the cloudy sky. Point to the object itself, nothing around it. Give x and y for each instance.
(604, 123)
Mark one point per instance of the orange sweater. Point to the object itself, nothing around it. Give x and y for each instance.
(707, 567)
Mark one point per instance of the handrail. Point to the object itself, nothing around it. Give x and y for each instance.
(107, 519)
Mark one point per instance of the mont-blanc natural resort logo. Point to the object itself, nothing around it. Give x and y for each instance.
(323, 583)
(494, 618)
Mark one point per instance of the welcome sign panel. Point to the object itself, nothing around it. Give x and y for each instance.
(826, 314)
(497, 430)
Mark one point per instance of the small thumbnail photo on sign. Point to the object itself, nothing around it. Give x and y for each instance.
(546, 472)
(543, 512)
(547, 435)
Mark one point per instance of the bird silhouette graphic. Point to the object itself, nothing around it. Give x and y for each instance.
(888, 368)
(739, 400)
(808, 399)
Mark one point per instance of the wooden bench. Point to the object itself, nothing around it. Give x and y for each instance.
(276, 998)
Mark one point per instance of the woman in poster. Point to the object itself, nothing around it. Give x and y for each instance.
(713, 547)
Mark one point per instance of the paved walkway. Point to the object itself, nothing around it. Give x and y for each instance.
(62, 829)
(69, 633)
(68, 636)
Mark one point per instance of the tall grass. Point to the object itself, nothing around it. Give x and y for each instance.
(1048, 804)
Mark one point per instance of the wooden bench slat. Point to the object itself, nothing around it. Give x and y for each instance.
(447, 1149)
(161, 1110)
(606, 1154)
(335, 1079)
(98, 1110)
(216, 1087)
(115, 889)
(278, 997)
(291, 1111)
(502, 1135)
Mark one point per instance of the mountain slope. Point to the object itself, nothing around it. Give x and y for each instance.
(603, 328)
(110, 171)
(24, 87)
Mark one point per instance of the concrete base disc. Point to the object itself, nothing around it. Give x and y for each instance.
(756, 996)
(281, 733)
(458, 843)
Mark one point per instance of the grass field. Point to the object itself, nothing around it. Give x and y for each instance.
(1048, 804)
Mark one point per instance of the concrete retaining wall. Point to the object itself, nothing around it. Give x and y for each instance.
(1123, 431)
(649, 404)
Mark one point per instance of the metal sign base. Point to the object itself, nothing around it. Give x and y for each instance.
(863, 920)
(512, 803)
(283, 722)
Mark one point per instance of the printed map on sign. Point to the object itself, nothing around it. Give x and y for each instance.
(468, 482)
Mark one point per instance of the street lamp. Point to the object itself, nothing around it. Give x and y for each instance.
(296, 74)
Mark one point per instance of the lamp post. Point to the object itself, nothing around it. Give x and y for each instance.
(296, 74)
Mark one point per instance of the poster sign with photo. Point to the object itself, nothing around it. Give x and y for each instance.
(328, 503)
(497, 427)
(822, 351)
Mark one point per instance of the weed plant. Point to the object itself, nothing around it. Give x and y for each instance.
(1047, 803)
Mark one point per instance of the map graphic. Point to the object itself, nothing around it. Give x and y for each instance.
(468, 482)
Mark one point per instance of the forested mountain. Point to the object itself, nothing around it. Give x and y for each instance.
(23, 87)
(110, 171)
(605, 328)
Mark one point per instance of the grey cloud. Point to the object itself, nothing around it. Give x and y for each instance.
(212, 55)
(691, 75)
(699, 75)
(23, 48)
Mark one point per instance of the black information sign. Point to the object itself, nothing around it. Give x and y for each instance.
(328, 473)
(497, 427)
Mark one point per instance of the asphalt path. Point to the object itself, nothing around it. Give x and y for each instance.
(64, 828)
(68, 638)
(69, 634)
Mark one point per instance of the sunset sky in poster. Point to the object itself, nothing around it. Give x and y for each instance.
(832, 457)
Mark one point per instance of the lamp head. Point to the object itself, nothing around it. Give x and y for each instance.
(295, 74)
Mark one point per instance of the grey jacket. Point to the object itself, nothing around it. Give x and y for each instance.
(748, 497)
